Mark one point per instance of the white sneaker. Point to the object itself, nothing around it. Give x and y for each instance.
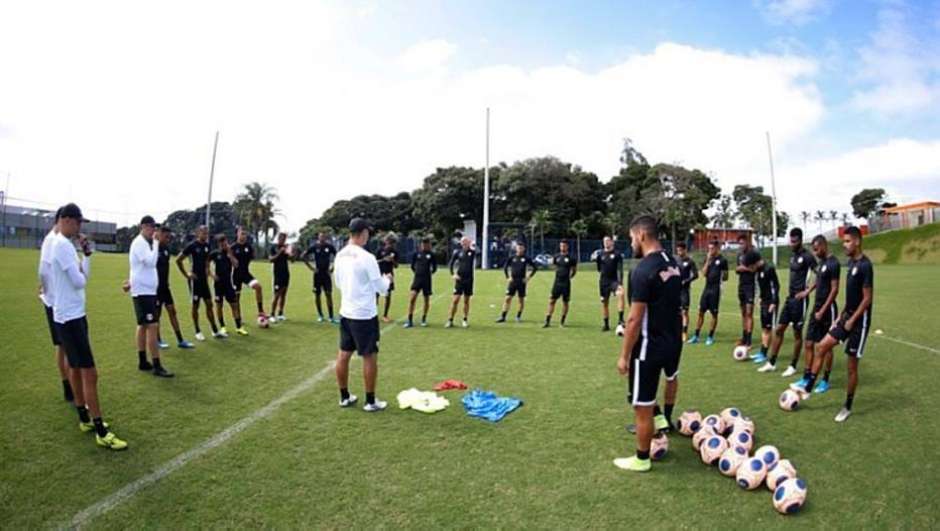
(449, 324)
(378, 405)
(281, 318)
(768, 367)
(791, 370)
(349, 401)
(465, 324)
(843, 414)
(200, 337)
(220, 335)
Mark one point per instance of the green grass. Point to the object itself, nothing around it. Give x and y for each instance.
(917, 246)
(548, 464)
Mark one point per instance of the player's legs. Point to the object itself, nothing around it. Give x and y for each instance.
(141, 339)
(275, 299)
(195, 315)
(698, 325)
(62, 363)
(605, 310)
(466, 307)
(521, 307)
(259, 296)
(388, 305)
(507, 303)
(714, 325)
(316, 299)
(621, 294)
(852, 381)
(453, 307)
(427, 308)
(797, 349)
(685, 324)
(775, 343)
(370, 372)
(220, 311)
(412, 299)
(342, 370)
(329, 303)
(747, 321)
(210, 315)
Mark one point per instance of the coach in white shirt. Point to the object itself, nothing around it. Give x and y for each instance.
(358, 278)
(145, 251)
(45, 295)
(69, 278)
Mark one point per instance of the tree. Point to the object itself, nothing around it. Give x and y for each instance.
(448, 197)
(725, 215)
(612, 224)
(542, 218)
(579, 228)
(256, 210)
(805, 217)
(834, 218)
(678, 198)
(630, 156)
(845, 219)
(867, 202)
(819, 217)
(124, 237)
(756, 209)
(222, 220)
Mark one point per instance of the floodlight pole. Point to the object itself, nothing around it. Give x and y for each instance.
(486, 196)
(773, 197)
(215, 147)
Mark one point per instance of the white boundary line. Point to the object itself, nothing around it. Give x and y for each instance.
(904, 342)
(128, 491)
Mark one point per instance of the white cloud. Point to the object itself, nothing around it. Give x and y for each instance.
(793, 11)
(427, 55)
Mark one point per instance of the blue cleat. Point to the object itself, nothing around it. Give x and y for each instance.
(709, 341)
(693, 340)
(760, 357)
(821, 387)
(185, 344)
(334, 320)
(801, 383)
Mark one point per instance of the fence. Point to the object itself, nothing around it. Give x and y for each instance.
(904, 220)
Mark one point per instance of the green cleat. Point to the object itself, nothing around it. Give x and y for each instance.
(660, 423)
(111, 442)
(633, 464)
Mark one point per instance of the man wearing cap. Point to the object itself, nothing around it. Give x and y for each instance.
(69, 277)
(45, 295)
(359, 279)
(143, 257)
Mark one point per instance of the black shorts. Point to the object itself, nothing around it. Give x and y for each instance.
(608, 288)
(322, 282)
(164, 297)
(710, 300)
(74, 337)
(359, 335)
(766, 315)
(281, 281)
(422, 285)
(199, 289)
(561, 291)
(746, 296)
(224, 291)
(817, 330)
(793, 313)
(856, 338)
(685, 299)
(464, 287)
(52, 328)
(242, 277)
(516, 287)
(145, 308)
(644, 375)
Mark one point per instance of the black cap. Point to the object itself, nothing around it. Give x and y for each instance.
(148, 220)
(71, 210)
(358, 225)
(58, 213)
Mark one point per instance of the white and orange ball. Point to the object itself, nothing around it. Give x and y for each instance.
(779, 472)
(731, 459)
(712, 448)
(751, 473)
(789, 400)
(739, 353)
(689, 422)
(790, 496)
(659, 447)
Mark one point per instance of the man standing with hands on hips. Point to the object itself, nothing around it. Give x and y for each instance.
(359, 280)
(145, 251)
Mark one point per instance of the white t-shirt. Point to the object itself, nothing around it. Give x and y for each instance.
(358, 278)
(69, 277)
(45, 267)
(143, 258)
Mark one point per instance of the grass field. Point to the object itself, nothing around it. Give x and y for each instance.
(547, 465)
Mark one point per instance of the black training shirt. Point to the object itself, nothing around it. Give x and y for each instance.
(564, 264)
(769, 284)
(163, 268)
(222, 264)
(716, 270)
(322, 255)
(387, 258)
(826, 272)
(747, 259)
(859, 274)
(516, 267)
(423, 264)
(198, 253)
(801, 263)
(244, 253)
(465, 262)
(655, 281)
(280, 263)
(610, 266)
(688, 271)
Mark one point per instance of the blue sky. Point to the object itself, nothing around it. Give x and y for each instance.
(325, 100)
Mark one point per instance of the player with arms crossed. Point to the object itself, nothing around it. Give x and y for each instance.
(198, 278)
(566, 267)
(825, 311)
(715, 271)
(323, 253)
(689, 272)
(652, 341)
(387, 257)
(854, 323)
(465, 261)
(518, 271)
(423, 265)
(279, 256)
(610, 266)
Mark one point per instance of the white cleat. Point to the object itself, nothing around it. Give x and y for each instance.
(200, 337)
(449, 324)
(465, 324)
(349, 401)
(378, 405)
(791, 370)
(843, 414)
(220, 335)
(768, 367)
(281, 318)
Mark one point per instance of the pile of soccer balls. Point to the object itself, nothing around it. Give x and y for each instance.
(726, 440)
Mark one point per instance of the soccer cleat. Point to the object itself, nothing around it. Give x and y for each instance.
(334, 320)
(320, 319)
(281, 318)
(633, 464)
(378, 405)
(791, 370)
(546, 325)
(843, 414)
(760, 357)
(449, 324)
(223, 331)
(709, 341)
(144, 365)
(200, 337)
(163, 345)
(242, 331)
(605, 328)
(86, 427)
(821, 387)
(111, 442)
(501, 319)
(693, 340)
(185, 344)
(518, 319)
(408, 324)
(767, 367)
(465, 324)
(424, 323)
(346, 402)
(162, 373)
(801, 383)
(660, 423)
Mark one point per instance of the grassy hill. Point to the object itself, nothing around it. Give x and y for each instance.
(920, 245)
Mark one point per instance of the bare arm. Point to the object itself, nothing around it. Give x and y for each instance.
(631, 334)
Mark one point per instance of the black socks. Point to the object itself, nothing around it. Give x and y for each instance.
(667, 410)
(826, 376)
(82, 414)
(221, 320)
(620, 318)
(179, 336)
(344, 394)
(142, 356)
(370, 398)
(848, 401)
(238, 322)
(99, 427)
(643, 456)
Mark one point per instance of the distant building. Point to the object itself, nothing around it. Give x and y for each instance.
(910, 215)
(26, 227)
(727, 238)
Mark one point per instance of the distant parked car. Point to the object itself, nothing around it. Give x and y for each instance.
(543, 260)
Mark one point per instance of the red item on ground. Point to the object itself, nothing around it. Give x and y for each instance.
(448, 385)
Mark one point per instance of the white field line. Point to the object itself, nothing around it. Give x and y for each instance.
(126, 492)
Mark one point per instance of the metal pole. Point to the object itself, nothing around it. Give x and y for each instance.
(773, 197)
(486, 196)
(215, 147)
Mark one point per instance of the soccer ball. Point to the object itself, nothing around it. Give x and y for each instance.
(741, 439)
(790, 496)
(263, 321)
(731, 459)
(744, 424)
(712, 448)
(659, 447)
(768, 454)
(751, 473)
(789, 400)
(729, 415)
(715, 422)
(620, 330)
(689, 422)
(779, 472)
(703, 433)
(740, 353)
